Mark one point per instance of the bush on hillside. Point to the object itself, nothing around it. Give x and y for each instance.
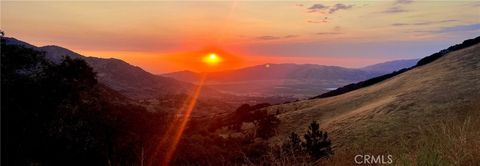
(316, 143)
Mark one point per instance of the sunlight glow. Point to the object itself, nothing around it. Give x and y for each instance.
(212, 59)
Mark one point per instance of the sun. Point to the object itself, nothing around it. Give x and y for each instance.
(212, 59)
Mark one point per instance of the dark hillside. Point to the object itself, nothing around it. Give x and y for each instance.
(58, 114)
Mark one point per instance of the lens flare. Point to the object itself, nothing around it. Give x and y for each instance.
(168, 143)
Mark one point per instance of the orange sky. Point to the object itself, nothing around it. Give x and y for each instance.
(191, 61)
(166, 36)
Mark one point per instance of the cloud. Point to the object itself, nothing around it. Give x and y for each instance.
(317, 22)
(460, 28)
(268, 37)
(423, 23)
(290, 36)
(403, 1)
(476, 4)
(399, 24)
(324, 20)
(320, 7)
(452, 29)
(328, 33)
(339, 6)
(395, 9)
(337, 28)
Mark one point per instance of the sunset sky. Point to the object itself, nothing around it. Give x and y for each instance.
(168, 36)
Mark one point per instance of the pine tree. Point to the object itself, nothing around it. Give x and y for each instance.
(295, 144)
(316, 142)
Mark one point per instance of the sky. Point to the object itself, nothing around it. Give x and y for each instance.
(167, 36)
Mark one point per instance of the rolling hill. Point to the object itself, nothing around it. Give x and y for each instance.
(131, 81)
(385, 115)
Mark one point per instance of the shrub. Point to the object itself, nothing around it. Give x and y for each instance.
(316, 143)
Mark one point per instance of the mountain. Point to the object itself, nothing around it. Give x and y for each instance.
(391, 66)
(277, 72)
(443, 90)
(129, 80)
(185, 75)
(297, 80)
(13, 41)
(58, 114)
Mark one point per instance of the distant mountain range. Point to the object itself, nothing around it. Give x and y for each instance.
(296, 71)
(299, 80)
(278, 72)
(391, 66)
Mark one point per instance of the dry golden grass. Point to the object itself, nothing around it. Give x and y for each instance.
(423, 104)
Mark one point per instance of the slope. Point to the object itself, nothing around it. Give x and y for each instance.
(380, 114)
(129, 80)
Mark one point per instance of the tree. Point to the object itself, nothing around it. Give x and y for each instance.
(293, 144)
(267, 126)
(57, 114)
(316, 142)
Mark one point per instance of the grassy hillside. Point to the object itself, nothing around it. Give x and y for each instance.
(380, 117)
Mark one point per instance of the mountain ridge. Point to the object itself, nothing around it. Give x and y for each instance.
(391, 66)
(130, 80)
(286, 79)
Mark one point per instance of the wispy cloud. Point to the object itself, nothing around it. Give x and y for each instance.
(460, 28)
(403, 1)
(395, 9)
(318, 7)
(268, 37)
(331, 9)
(400, 24)
(476, 4)
(339, 6)
(451, 29)
(317, 22)
(328, 33)
(423, 23)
